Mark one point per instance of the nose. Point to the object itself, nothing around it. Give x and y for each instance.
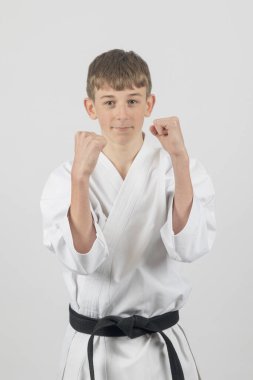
(121, 112)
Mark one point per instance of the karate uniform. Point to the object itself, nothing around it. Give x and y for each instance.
(133, 266)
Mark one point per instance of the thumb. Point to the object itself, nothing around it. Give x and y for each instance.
(153, 130)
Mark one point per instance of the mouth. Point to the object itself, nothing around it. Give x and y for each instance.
(121, 127)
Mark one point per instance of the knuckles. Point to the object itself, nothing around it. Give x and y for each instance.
(94, 140)
(169, 120)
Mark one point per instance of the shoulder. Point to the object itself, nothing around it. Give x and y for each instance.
(58, 182)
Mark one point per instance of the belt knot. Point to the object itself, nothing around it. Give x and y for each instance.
(132, 326)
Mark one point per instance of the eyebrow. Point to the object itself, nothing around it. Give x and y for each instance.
(112, 96)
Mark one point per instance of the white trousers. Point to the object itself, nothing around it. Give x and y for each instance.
(114, 358)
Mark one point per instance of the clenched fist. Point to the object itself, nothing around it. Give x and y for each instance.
(88, 145)
(168, 132)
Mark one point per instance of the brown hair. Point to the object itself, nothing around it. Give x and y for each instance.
(119, 69)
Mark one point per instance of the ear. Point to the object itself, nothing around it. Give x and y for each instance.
(150, 102)
(90, 108)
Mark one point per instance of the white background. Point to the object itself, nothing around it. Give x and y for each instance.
(200, 58)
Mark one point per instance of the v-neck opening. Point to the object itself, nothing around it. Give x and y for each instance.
(122, 195)
(109, 164)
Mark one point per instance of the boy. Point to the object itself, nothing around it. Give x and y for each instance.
(121, 217)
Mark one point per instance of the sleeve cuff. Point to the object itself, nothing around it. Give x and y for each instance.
(180, 246)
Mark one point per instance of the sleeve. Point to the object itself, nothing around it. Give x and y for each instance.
(198, 235)
(57, 237)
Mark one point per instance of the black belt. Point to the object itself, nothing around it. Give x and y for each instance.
(133, 327)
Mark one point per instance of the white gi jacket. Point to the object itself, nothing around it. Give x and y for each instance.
(133, 266)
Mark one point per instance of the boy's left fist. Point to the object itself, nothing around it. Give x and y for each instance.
(168, 132)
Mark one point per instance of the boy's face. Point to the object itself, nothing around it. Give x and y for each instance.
(120, 113)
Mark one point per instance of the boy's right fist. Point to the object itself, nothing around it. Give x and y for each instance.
(88, 145)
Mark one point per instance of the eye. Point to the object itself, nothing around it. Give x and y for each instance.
(130, 100)
(109, 101)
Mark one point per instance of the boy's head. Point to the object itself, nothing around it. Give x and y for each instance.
(113, 77)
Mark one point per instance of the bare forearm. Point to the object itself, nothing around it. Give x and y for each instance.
(80, 217)
(183, 195)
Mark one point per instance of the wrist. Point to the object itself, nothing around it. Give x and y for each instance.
(180, 157)
(78, 178)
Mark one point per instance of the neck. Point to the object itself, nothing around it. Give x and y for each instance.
(123, 155)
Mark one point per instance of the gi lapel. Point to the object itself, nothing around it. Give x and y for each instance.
(129, 194)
